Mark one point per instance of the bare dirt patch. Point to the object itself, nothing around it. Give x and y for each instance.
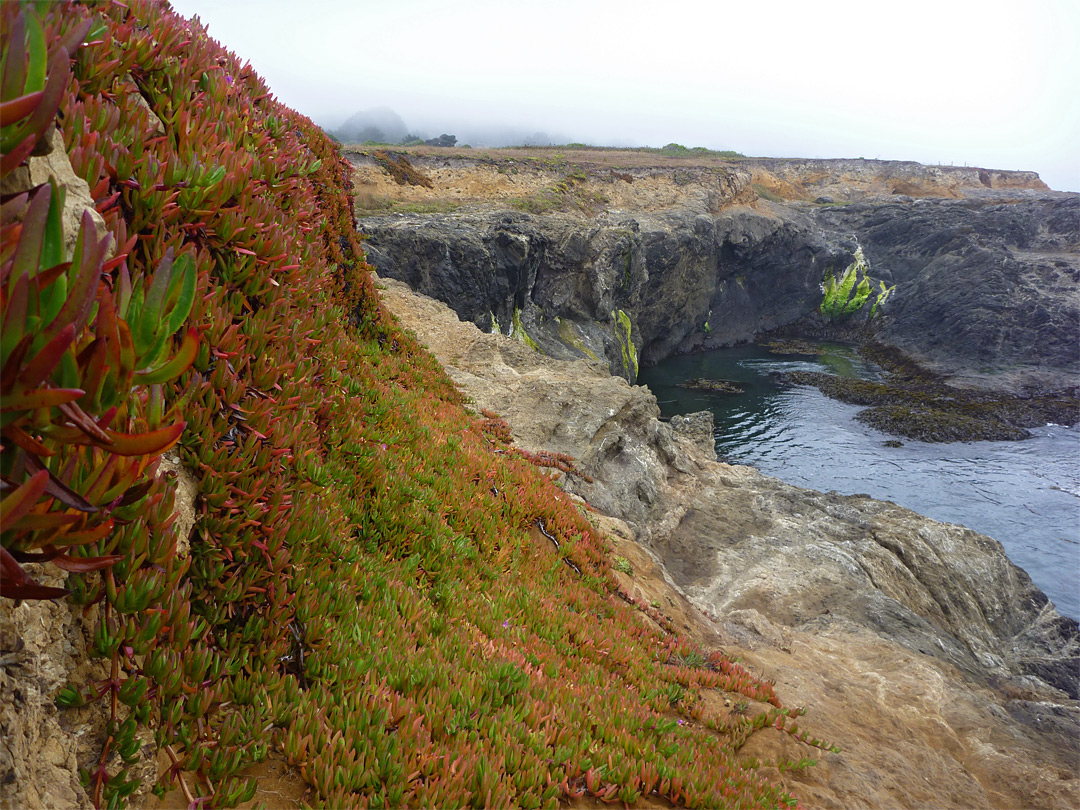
(584, 182)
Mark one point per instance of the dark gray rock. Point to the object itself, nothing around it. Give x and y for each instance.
(984, 286)
(683, 280)
(988, 287)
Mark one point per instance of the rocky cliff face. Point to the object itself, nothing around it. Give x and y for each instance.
(987, 271)
(988, 288)
(918, 646)
(857, 179)
(682, 279)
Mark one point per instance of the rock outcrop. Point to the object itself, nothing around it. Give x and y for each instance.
(987, 264)
(856, 179)
(44, 646)
(988, 288)
(53, 164)
(940, 669)
(621, 289)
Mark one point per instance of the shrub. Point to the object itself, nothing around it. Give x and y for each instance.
(675, 150)
(399, 168)
(442, 140)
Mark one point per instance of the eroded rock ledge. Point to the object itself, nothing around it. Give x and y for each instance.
(944, 674)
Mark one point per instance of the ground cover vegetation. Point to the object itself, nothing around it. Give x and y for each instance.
(376, 586)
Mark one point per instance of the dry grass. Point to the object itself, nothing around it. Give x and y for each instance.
(589, 157)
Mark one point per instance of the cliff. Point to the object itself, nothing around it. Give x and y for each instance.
(859, 179)
(612, 255)
(943, 673)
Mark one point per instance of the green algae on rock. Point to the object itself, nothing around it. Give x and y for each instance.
(917, 404)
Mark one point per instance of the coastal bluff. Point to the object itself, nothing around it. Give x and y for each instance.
(542, 279)
(940, 670)
(628, 258)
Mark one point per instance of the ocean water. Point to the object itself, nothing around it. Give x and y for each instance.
(1024, 494)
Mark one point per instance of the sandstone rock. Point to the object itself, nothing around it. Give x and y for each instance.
(185, 490)
(55, 164)
(860, 179)
(44, 645)
(699, 428)
(156, 127)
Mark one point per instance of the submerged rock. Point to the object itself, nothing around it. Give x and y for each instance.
(912, 402)
(795, 346)
(713, 386)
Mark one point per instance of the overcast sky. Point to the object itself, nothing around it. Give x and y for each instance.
(991, 83)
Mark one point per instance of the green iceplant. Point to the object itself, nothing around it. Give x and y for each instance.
(843, 297)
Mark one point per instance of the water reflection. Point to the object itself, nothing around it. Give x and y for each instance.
(1025, 494)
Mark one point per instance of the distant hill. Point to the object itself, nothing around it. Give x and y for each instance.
(376, 124)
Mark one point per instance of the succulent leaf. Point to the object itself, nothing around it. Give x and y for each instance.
(16, 584)
(43, 363)
(27, 259)
(86, 264)
(19, 108)
(39, 398)
(39, 55)
(153, 442)
(173, 368)
(11, 159)
(13, 76)
(22, 500)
